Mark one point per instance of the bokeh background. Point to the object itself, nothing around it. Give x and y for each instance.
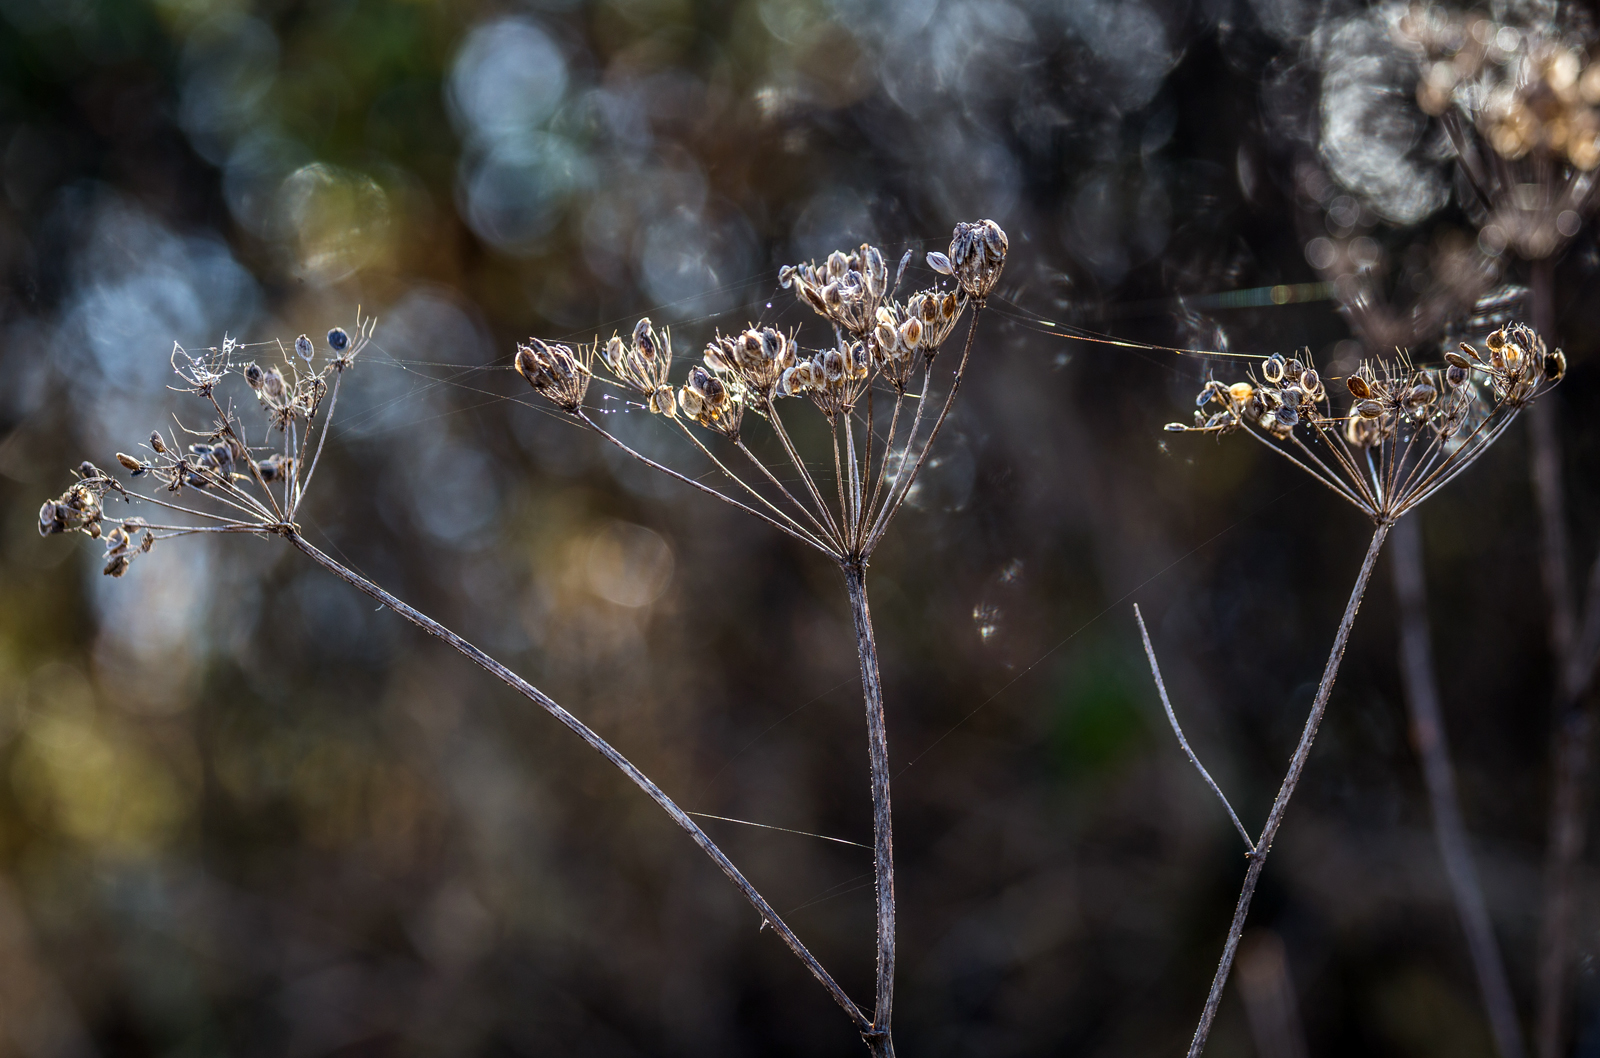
(241, 813)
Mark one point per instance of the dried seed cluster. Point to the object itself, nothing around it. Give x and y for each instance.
(1529, 89)
(231, 480)
(1407, 430)
(875, 336)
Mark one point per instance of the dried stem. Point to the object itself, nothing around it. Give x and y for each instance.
(1427, 727)
(605, 749)
(1574, 723)
(879, 1038)
(1291, 779)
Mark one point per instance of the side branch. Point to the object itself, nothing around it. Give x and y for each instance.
(605, 749)
(1172, 718)
(1291, 779)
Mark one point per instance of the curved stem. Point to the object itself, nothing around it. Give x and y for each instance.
(1291, 779)
(605, 749)
(882, 818)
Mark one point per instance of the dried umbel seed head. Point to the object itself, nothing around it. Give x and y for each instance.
(1272, 369)
(338, 340)
(303, 347)
(131, 464)
(846, 289)
(156, 443)
(1456, 375)
(757, 359)
(642, 362)
(709, 402)
(977, 256)
(272, 386)
(555, 372)
(253, 376)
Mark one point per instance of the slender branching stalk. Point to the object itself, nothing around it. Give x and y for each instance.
(1455, 849)
(883, 354)
(1408, 432)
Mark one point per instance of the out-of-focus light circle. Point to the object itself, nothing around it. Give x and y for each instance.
(1492, 240)
(1568, 223)
(689, 260)
(516, 192)
(1364, 252)
(1321, 253)
(629, 564)
(336, 220)
(508, 77)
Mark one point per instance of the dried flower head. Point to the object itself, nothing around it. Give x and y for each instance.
(875, 337)
(845, 289)
(555, 372)
(214, 480)
(1407, 430)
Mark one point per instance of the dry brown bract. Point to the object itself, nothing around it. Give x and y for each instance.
(1407, 431)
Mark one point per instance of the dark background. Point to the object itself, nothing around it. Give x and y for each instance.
(242, 813)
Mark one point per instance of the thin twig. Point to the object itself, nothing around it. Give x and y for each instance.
(1172, 718)
(605, 749)
(1291, 779)
(1427, 726)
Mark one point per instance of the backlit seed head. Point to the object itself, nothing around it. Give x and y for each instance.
(1555, 366)
(1293, 369)
(977, 255)
(129, 463)
(303, 346)
(1241, 392)
(338, 340)
(1421, 395)
(157, 443)
(555, 372)
(1455, 359)
(940, 263)
(1272, 369)
(1369, 409)
(1456, 375)
(52, 519)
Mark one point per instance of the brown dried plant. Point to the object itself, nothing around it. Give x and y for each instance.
(882, 359)
(1406, 433)
(213, 478)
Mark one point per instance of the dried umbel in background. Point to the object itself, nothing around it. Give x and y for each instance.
(1406, 432)
(882, 358)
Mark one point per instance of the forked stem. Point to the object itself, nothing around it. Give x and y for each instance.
(878, 1038)
(605, 749)
(1291, 779)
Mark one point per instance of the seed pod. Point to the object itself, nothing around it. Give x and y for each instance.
(156, 442)
(129, 463)
(1369, 409)
(661, 402)
(51, 520)
(87, 470)
(1455, 375)
(1496, 341)
(940, 263)
(1293, 370)
(1473, 353)
(1421, 395)
(1455, 359)
(1555, 365)
(254, 376)
(1358, 387)
(644, 339)
(302, 345)
(1240, 392)
(117, 566)
(1272, 370)
(146, 542)
(911, 332)
(1286, 416)
(338, 340)
(272, 383)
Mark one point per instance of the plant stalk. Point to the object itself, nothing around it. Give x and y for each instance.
(605, 749)
(1427, 727)
(1291, 779)
(1571, 742)
(879, 1039)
